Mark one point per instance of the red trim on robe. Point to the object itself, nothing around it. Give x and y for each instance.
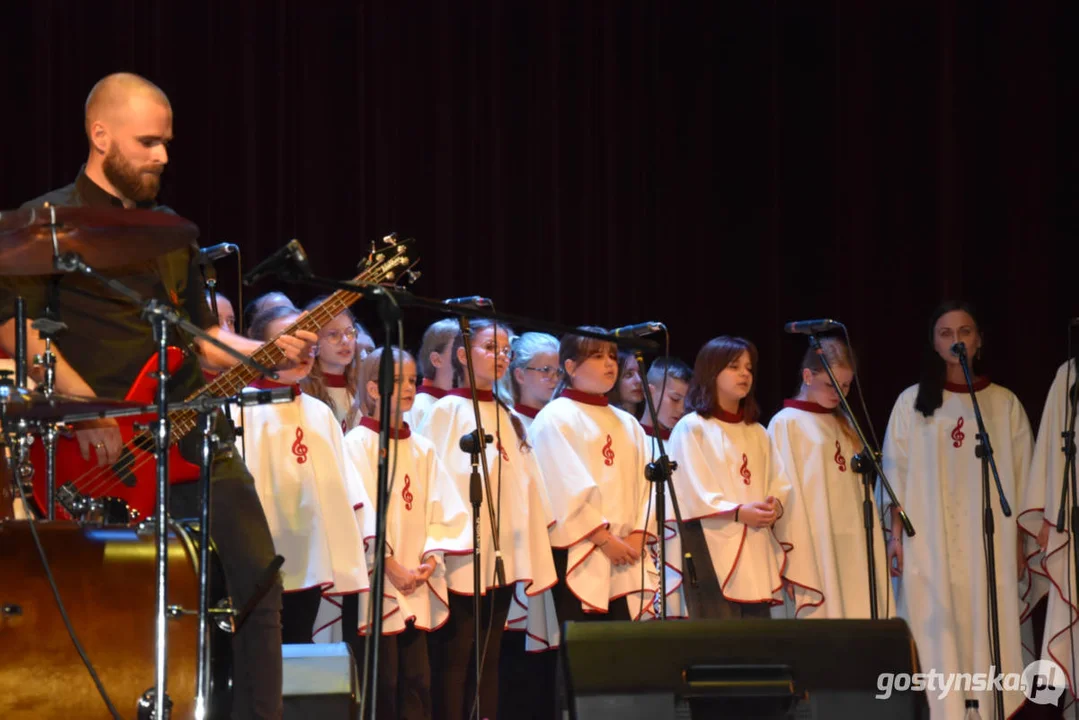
(528, 412)
(265, 383)
(1073, 611)
(334, 380)
(980, 383)
(807, 406)
(466, 393)
(586, 398)
(664, 433)
(376, 427)
(733, 418)
(433, 390)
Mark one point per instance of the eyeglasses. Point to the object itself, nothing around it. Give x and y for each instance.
(551, 372)
(338, 336)
(503, 350)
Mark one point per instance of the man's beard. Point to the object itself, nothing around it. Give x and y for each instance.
(125, 177)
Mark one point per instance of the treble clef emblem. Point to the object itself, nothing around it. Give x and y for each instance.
(957, 434)
(839, 459)
(502, 450)
(744, 471)
(608, 453)
(298, 448)
(406, 494)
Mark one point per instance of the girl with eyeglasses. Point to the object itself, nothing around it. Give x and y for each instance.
(334, 378)
(315, 502)
(521, 510)
(593, 456)
(929, 457)
(533, 374)
(426, 521)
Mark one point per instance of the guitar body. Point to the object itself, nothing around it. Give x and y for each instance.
(133, 479)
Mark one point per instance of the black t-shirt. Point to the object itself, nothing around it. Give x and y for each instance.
(107, 341)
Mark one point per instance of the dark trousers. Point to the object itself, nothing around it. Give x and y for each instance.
(568, 606)
(704, 595)
(242, 538)
(404, 670)
(526, 681)
(299, 608)
(452, 649)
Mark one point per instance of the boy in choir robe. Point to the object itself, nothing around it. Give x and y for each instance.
(929, 457)
(532, 375)
(435, 366)
(731, 487)
(593, 457)
(522, 511)
(426, 519)
(1057, 566)
(315, 502)
(828, 576)
(668, 382)
(334, 377)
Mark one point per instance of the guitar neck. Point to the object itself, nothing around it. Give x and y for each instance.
(269, 355)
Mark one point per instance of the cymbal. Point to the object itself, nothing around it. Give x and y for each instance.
(21, 404)
(104, 237)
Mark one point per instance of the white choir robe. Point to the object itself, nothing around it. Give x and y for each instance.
(1058, 563)
(315, 503)
(823, 519)
(942, 592)
(525, 508)
(722, 465)
(341, 400)
(527, 414)
(426, 518)
(426, 397)
(676, 598)
(593, 457)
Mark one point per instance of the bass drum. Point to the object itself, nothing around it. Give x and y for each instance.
(106, 578)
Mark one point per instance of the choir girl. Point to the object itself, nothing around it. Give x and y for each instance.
(929, 456)
(263, 303)
(333, 380)
(522, 511)
(435, 366)
(731, 487)
(670, 376)
(533, 374)
(593, 456)
(628, 392)
(1058, 564)
(315, 502)
(426, 520)
(827, 574)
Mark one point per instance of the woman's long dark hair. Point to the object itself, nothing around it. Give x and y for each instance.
(934, 369)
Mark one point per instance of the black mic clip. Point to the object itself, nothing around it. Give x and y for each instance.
(862, 464)
(469, 445)
(289, 262)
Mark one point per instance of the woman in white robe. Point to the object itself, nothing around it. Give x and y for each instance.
(334, 378)
(828, 575)
(929, 456)
(532, 376)
(731, 488)
(435, 367)
(426, 520)
(315, 502)
(522, 512)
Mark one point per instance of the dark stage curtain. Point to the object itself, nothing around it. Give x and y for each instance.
(720, 166)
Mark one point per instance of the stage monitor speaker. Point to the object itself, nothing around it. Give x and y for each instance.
(740, 669)
(319, 681)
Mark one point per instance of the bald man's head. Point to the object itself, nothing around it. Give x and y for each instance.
(129, 126)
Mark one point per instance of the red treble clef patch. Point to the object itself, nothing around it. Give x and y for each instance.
(502, 450)
(839, 459)
(298, 448)
(744, 470)
(957, 434)
(406, 494)
(608, 453)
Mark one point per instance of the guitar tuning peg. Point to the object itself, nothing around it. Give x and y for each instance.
(390, 239)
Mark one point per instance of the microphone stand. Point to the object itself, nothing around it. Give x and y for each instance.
(471, 444)
(1071, 391)
(984, 451)
(864, 463)
(659, 472)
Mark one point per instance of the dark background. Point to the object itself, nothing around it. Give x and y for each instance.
(723, 166)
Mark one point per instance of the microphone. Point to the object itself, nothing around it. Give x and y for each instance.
(469, 301)
(216, 252)
(811, 327)
(645, 328)
(959, 350)
(289, 260)
(250, 396)
(468, 442)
